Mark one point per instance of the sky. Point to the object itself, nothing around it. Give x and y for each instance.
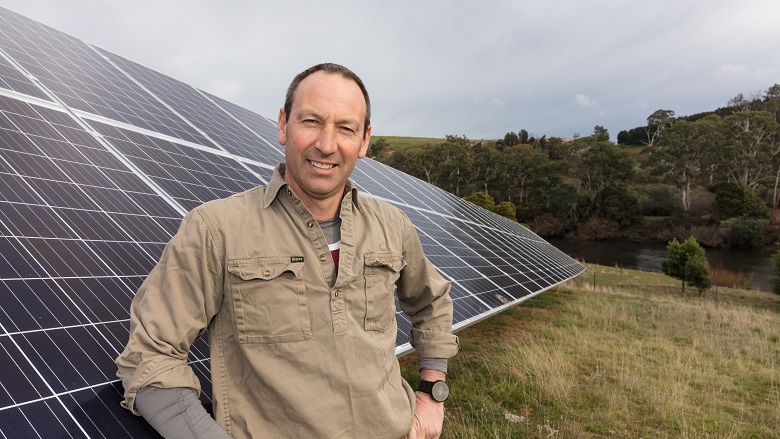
(435, 67)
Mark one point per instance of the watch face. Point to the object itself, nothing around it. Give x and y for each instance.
(440, 391)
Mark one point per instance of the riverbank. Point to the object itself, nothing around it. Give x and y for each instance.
(634, 358)
(753, 264)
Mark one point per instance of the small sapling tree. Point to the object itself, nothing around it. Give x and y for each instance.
(688, 263)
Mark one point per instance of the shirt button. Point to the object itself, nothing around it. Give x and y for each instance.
(338, 294)
(310, 224)
(323, 258)
(267, 273)
(289, 193)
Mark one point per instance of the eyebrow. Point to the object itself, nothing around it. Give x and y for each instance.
(305, 114)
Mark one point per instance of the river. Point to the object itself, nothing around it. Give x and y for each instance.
(754, 264)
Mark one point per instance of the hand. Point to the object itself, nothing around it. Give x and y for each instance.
(428, 418)
(428, 414)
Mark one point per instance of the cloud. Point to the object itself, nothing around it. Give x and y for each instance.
(587, 102)
(738, 71)
(498, 102)
(731, 71)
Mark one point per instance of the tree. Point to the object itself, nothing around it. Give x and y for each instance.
(616, 203)
(772, 92)
(601, 165)
(510, 139)
(657, 123)
(679, 255)
(523, 135)
(506, 209)
(682, 150)
(750, 147)
(482, 200)
(378, 148)
(733, 200)
(453, 162)
(697, 274)
(485, 164)
(600, 133)
(526, 174)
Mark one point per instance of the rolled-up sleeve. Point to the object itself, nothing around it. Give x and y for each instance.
(424, 295)
(172, 308)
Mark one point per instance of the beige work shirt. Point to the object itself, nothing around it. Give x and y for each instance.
(295, 351)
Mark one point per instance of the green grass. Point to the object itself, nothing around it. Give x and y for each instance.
(399, 143)
(633, 359)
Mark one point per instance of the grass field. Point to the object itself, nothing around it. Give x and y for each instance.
(399, 143)
(632, 359)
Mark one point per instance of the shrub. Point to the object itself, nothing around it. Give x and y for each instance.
(616, 203)
(548, 225)
(660, 201)
(597, 228)
(708, 236)
(743, 232)
(733, 200)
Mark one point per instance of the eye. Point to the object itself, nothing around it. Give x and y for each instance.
(347, 129)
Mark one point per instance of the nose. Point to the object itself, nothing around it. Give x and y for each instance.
(327, 142)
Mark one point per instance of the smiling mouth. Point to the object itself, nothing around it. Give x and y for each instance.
(321, 165)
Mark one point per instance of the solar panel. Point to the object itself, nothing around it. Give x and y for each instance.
(100, 158)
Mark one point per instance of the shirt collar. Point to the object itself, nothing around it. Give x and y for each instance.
(277, 183)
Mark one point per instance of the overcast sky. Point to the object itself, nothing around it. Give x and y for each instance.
(434, 68)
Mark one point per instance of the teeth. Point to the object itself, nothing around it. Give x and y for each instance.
(320, 165)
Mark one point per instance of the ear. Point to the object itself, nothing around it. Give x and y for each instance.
(364, 145)
(281, 127)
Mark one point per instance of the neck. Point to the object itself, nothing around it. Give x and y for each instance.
(322, 212)
(322, 209)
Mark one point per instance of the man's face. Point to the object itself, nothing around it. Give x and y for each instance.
(323, 136)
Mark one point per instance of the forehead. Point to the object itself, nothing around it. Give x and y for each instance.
(330, 91)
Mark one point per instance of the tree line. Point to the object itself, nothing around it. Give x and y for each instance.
(714, 176)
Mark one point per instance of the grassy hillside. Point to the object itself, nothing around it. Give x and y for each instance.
(399, 143)
(632, 359)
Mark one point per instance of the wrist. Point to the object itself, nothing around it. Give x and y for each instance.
(432, 375)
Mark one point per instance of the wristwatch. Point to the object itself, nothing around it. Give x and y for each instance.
(439, 390)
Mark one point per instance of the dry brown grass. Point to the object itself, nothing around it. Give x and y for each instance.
(727, 278)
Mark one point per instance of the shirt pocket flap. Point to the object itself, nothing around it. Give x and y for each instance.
(264, 268)
(392, 261)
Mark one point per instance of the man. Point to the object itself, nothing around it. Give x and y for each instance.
(294, 282)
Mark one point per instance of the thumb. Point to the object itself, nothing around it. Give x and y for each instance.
(413, 432)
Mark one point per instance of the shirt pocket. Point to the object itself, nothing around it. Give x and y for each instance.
(381, 272)
(269, 297)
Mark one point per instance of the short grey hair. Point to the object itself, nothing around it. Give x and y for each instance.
(329, 68)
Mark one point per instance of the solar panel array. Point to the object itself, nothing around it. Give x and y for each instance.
(100, 158)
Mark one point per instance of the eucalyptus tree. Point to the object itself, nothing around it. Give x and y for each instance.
(750, 147)
(657, 123)
(526, 175)
(682, 150)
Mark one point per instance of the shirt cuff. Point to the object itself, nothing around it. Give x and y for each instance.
(439, 364)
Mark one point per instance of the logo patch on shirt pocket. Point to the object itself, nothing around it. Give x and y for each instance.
(269, 298)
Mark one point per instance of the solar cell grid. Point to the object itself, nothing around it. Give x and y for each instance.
(78, 75)
(256, 123)
(12, 79)
(225, 130)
